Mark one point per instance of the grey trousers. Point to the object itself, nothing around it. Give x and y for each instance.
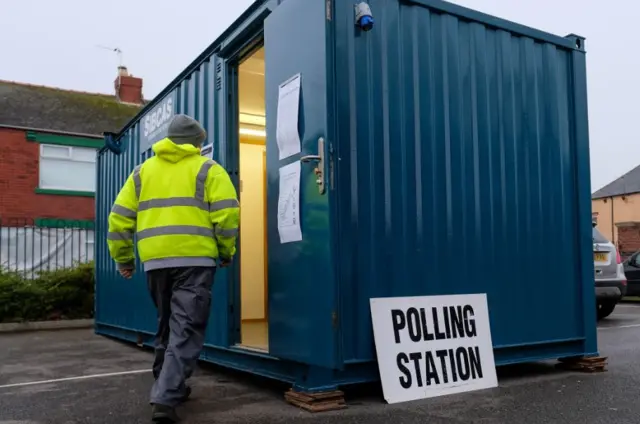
(182, 297)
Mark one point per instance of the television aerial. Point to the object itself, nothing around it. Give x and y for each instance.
(116, 50)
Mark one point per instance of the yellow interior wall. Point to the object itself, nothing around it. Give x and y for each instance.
(254, 311)
(252, 231)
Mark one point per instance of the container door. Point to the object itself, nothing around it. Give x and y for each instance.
(302, 301)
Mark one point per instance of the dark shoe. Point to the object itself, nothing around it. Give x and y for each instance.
(164, 414)
(187, 393)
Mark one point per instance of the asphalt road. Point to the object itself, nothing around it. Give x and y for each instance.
(527, 394)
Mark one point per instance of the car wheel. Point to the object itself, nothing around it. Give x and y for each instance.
(604, 309)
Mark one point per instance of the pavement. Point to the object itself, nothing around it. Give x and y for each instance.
(76, 377)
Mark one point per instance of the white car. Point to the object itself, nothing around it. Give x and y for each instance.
(610, 280)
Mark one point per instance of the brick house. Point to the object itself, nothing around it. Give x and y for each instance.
(48, 143)
(616, 209)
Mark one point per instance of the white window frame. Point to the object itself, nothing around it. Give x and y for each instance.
(90, 243)
(69, 158)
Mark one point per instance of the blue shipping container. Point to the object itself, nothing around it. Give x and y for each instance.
(456, 160)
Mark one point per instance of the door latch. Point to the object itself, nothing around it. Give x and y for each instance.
(319, 169)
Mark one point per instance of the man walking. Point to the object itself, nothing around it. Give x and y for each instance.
(184, 210)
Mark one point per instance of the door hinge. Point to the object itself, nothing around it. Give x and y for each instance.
(334, 319)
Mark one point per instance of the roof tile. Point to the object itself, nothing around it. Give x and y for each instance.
(629, 183)
(47, 108)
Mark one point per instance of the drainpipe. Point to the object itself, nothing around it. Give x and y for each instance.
(613, 228)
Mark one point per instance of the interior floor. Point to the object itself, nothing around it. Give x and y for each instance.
(253, 198)
(255, 334)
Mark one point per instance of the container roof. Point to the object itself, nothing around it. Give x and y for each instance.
(55, 109)
(629, 183)
(572, 41)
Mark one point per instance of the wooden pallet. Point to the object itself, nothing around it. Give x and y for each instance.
(317, 402)
(592, 364)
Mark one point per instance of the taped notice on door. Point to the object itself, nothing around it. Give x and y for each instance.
(287, 134)
(289, 203)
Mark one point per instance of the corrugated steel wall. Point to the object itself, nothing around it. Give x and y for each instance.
(457, 172)
(199, 96)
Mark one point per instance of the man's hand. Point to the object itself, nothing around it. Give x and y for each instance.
(225, 262)
(127, 272)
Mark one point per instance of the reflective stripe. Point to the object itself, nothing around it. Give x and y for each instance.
(137, 182)
(201, 178)
(119, 236)
(197, 201)
(172, 201)
(121, 210)
(223, 204)
(171, 230)
(178, 262)
(226, 233)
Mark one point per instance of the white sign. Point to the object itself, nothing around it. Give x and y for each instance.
(287, 135)
(289, 203)
(431, 346)
(155, 123)
(207, 151)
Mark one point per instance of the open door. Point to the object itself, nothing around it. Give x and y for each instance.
(302, 300)
(252, 191)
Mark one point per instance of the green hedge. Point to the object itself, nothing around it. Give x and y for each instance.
(53, 295)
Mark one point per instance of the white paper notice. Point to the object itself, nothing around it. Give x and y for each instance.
(207, 151)
(289, 203)
(287, 125)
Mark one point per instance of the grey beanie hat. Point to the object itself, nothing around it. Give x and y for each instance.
(184, 129)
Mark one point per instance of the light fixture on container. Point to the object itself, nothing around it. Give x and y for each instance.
(252, 132)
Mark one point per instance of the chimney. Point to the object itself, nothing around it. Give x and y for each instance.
(128, 88)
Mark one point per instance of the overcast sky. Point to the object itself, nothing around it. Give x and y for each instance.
(55, 43)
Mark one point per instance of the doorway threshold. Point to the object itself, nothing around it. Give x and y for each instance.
(251, 349)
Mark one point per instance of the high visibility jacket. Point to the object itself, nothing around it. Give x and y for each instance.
(183, 208)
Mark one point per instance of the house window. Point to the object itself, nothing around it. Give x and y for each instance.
(67, 168)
